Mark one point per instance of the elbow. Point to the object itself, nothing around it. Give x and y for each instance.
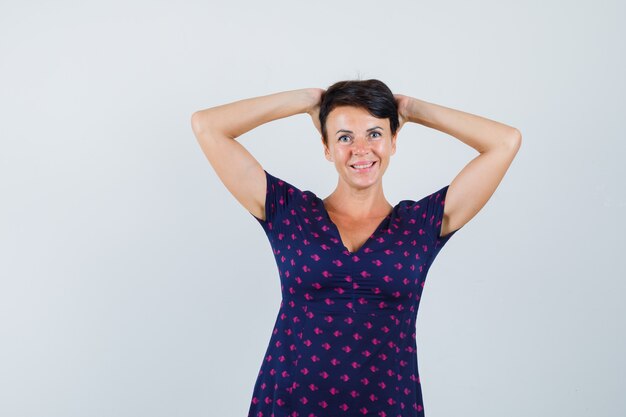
(205, 124)
(202, 121)
(514, 140)
(198, 122)
(517, 137)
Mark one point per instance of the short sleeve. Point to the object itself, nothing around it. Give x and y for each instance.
(279, 198)
(433, 207)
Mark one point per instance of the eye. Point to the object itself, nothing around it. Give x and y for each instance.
(376, 133)
(344, 136)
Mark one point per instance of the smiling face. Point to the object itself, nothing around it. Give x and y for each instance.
(355, 136)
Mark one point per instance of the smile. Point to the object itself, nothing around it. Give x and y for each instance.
(362, 168)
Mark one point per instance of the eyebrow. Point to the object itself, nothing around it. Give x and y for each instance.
(371, 128)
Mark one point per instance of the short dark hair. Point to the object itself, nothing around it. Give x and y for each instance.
(372, 95)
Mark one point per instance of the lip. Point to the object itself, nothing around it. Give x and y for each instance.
(363, 163)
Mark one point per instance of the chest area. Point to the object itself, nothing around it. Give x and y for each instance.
(354, 234)
(378, 263)
(308, 230)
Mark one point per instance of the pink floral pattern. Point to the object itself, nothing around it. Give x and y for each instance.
(344, 343)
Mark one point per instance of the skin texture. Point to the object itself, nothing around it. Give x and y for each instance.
(358, 204)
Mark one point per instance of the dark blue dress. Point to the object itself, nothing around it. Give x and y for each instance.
(343, 344)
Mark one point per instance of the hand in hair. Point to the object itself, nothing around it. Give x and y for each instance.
(314, 109)
(403, 109)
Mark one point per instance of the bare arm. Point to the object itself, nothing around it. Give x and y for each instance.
(217, 127)
(474, 185)
(476, 131)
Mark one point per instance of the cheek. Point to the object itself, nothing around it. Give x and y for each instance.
(383, 149)
(342, 153)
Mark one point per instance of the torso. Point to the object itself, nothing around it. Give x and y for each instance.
(355, 233)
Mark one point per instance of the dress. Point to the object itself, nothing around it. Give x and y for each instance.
(343, 344)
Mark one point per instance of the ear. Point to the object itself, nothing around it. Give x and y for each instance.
(327, 154)
(393, 143)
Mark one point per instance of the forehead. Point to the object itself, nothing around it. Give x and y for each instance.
(357, 117)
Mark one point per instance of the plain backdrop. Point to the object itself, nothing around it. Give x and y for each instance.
(132, 283)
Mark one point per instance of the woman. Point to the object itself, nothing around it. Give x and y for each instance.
(352, 266)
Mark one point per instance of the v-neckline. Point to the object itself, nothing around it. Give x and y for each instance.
(336, 229)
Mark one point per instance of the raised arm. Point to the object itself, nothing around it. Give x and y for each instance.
(216, 129)
(474, 185)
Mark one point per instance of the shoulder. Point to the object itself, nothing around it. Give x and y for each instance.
(282, 189)
(431, 200)
(281, 198)
(427, 211)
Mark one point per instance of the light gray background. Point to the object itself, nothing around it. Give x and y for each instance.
(133, 284)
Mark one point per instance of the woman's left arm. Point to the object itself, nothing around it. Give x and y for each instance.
(474, 185)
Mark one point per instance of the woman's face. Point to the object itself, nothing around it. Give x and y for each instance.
(356, 136)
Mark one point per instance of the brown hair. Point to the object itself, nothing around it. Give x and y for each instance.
(372, 95)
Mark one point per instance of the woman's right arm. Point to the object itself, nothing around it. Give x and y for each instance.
(216, 129)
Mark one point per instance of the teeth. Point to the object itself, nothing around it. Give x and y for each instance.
(363, 166)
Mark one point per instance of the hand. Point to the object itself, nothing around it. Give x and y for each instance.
(403, 103)
(315, 97)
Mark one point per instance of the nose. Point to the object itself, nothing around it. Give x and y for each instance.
(360, 146)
